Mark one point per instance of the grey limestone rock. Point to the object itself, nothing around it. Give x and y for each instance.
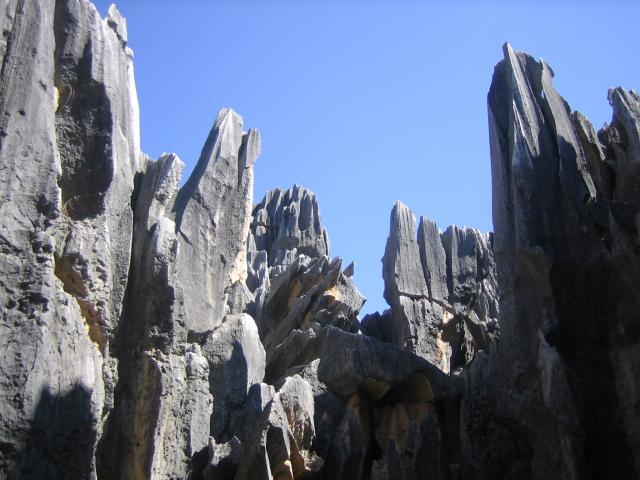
(310, 291)
(401, 267)
(564, 200)
(415, 321)
(391, 396)
(329, 409)
(299, 348)
(155, 293)
(237, 361)
(360, 362)
(480, 427)
(212, 212)
(69, 152)
(351, 442)
(433, 259)
(223, 459)
(350, 270)
(293, 281)
(158, 324)
(184, 406)
(473, 293)
(442, 289)
(378, 325)
(155, 331)
(411, 442)
(272, 452)
(243, 421)
(118, 24)
(297, 398)
(287, 223)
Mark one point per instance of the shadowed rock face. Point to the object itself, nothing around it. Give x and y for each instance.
(566, 248)
(155, 331)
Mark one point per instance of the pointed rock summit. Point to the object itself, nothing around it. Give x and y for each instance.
(564, 198)
(442, 290)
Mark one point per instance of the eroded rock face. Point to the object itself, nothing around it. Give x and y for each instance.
(442, 290)
(286, 224)
(297, 289)
(69, 151)
(566, 251)
(164, 331)
(153, 331)
(237, 361)
(99, 375)
(212, 220)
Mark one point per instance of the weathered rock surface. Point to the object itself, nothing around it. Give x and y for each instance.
(286, 224)
(212, 220)
(237, 361)
(566, 247)
(397, 410)
(296, 288)
(442, 290)
(153, 331)
(69, 153)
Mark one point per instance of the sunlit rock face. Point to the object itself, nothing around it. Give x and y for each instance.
(153, 330)
(442, 290)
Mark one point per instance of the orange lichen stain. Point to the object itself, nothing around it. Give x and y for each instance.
(294, 292)
(74, 285)
(445, 353)
(375, 388)
(283, 471)
(334, 292)
(396, 421)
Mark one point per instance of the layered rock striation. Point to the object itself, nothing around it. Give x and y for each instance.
(153, 330)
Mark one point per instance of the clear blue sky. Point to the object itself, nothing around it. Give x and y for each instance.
(366, 102)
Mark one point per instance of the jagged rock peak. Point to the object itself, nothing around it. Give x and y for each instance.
(129, 352)
(442, 290)
(564, 204)
(212, 213)
(287, 223)
(401, 268)
(295, 284)
(118, 24)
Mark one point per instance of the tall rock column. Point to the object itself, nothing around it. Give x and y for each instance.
(181, 355)
(565, 209)
(213, 214)
(69, 150)
(405, 289)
